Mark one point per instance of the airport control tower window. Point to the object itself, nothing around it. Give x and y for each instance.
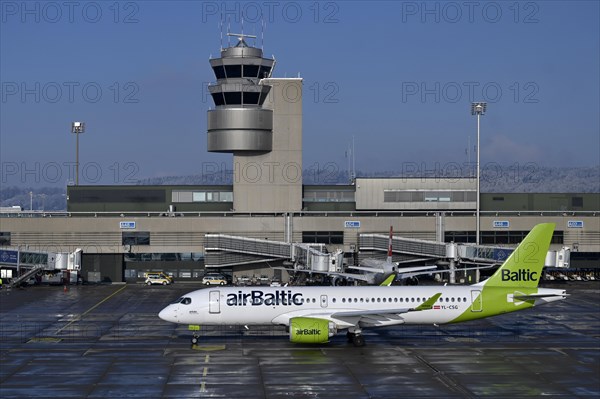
(234, 98)
(218, 98)
(219, 72)
(251, 98)
(250, 71)
(233, 71)
(264, 72)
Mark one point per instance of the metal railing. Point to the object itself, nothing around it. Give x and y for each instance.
(407, 213)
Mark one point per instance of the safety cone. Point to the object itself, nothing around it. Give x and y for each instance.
(65, 289)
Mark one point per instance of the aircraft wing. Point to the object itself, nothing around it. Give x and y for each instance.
(400, 269)
(367, 269)
(353, 317)
(354, 276)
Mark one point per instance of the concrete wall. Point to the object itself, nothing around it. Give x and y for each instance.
(272, 182)
(102, 235)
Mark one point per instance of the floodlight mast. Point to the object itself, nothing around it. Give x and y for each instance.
(77, 128)
(478, 108)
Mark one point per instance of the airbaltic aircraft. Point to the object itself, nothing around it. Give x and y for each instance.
(314, 314)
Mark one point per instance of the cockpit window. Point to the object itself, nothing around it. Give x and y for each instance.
(186, 301)
(177, 301)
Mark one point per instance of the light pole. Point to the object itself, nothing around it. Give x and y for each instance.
(77, 128)
(478, 109)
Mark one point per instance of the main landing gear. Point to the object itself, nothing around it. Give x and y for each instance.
(356, 338)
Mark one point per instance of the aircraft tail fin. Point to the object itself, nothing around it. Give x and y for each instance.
(523, 268)
(388, 281)
(389, 254)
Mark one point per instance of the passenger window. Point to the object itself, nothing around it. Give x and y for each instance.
(452, 299)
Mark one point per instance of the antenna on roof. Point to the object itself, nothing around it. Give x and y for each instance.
(221, 29)
(262, 33)
(228, 30)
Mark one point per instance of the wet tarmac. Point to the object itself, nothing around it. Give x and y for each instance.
(107, 342)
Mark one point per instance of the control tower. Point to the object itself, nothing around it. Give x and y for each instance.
(258, 119)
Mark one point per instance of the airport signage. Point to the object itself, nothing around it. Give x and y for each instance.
(501, 224)
(352, 224)
(127, 225)
(575, 224)
(7, 256)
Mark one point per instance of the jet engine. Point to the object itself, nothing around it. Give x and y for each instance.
(309, 330)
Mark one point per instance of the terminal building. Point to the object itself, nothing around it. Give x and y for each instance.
(240, 228)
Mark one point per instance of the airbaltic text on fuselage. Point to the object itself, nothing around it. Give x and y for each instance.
(520, 275)
(257, 298)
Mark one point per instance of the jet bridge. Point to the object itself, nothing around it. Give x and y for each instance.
(414, 250)
(19, 265)
(227, 250)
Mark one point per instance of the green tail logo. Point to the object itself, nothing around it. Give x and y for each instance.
(523, 268)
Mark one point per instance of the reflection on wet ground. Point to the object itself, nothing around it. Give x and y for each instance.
(106, 341)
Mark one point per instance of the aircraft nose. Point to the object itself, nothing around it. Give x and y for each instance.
(169, 314)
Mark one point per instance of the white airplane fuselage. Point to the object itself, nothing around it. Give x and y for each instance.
(270, 305)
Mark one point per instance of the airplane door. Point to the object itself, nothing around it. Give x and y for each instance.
(476, 301)
(214, 302)
(323, 301)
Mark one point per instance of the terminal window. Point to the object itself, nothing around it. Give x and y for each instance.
(323, 237)
(4, 238)
(328, 196)
(202, 196)
(135, 238)
(428, 196)
(499, 237)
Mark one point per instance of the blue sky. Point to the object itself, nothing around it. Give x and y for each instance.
(398, 76)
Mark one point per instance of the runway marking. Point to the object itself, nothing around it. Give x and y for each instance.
(209, 348)
(90, 309)
(204, 374)
(45, 339)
